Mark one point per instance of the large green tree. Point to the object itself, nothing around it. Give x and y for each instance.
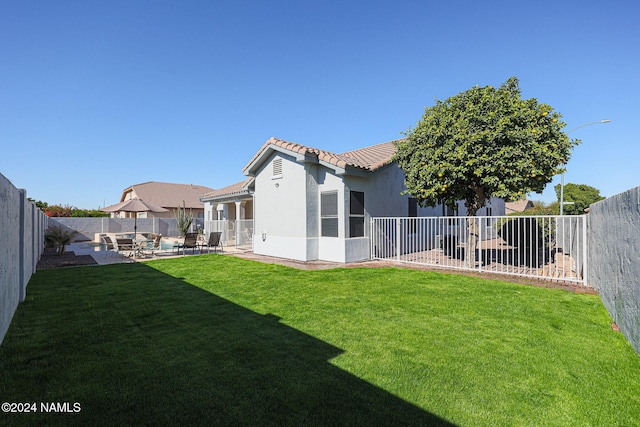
(482, 143)
(578, 197)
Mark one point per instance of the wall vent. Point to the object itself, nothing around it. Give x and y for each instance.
(277, 167)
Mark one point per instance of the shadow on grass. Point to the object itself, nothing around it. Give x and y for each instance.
(134, 346)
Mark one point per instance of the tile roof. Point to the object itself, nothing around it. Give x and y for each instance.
(372, 157)
(519, 206)
(169, 195)
(368, 158)
(234, 189)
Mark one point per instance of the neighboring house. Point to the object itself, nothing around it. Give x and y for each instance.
(310, 204)
(521, 206)
(166, 195)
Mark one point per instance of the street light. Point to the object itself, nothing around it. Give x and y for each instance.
(562, 202)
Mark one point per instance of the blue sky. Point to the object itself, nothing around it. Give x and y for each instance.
(97, 96)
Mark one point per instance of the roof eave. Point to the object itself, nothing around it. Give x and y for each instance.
(222, 198)
(249, 185)
(338, 170)
(355, 171)
(362, 172)
(263, 155)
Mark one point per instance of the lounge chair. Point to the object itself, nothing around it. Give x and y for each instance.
(214, 240)
(190, 241)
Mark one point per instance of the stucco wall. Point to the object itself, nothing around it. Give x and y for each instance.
(279, 202)
(382, 192)
(283, 223)
(383, 196)
(614, 259)
(21, 243)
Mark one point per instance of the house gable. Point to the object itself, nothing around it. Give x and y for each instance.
(167, 195)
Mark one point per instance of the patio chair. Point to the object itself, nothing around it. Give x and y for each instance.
(125, 245)
(214, 240)
(190, 242)
(109, 245)
(153, 246)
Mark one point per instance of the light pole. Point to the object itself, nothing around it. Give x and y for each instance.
(562, 202)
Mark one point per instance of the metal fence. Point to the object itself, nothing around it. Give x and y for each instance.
(546, 247)
(238, 233)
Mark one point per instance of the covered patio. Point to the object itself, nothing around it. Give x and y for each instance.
(230, 211)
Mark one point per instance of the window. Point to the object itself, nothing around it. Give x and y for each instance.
(277, 168)
(413, 207)
(356, 214)
(329, 214)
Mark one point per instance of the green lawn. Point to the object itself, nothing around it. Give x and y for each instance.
(215, 340)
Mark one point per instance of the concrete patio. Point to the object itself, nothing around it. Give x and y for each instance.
(109, 257)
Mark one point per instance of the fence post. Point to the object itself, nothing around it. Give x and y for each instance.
(398, 239)
(21, 245)
(479, 245)
(585, 248)
(370, 238)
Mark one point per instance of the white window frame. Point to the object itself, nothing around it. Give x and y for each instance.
(356, 215)
(329, 216)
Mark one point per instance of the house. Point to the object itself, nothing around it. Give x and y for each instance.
(166, 195)
(520, 206)
(310, 204)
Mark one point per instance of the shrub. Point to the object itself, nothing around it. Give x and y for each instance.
(58, 237)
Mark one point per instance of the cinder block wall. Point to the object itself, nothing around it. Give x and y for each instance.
(89, 227)
(614, 259)
(22, 227)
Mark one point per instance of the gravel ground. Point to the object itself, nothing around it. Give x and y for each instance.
(50, 259)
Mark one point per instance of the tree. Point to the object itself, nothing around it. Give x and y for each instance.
(580, 196)
(67, 211)
(482, 143)
(89, 213)
(58, 211)
(39, 204)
